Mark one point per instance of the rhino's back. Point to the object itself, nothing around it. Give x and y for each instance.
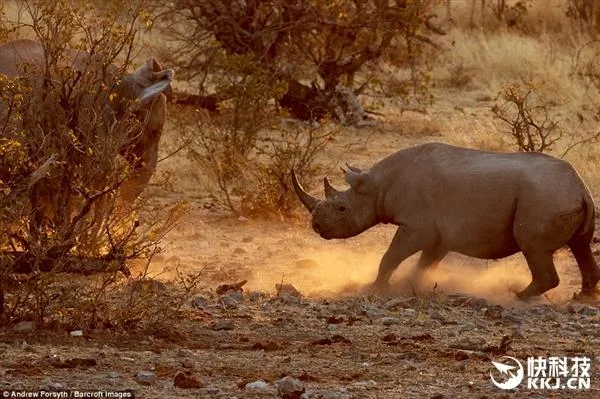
(471, 197)
(14, 54)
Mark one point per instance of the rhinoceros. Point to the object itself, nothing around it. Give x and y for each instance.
(142, 92)
(487, 205)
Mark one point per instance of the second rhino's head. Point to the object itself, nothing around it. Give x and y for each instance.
(342, 214)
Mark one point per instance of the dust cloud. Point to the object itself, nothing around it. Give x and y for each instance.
(343, 271)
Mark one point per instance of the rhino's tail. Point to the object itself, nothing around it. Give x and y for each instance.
(587, 228)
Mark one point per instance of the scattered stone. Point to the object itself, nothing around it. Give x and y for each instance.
(334, 339)
(395, 303)
(513, 318)
(479, 303)
(365, 384)
(225, 288)
(306, 264)
(129, 359)
(239, 251)
(187, 380)
(247, 239)
(198, 302)
(243, 219)
(289, 387)
(266, 346)
(230, 300)
(409, 311)
(494, 312)
(461, 355)
(145, 378)
(72, 363)
(435, 315)
(114, 375)
(289, 299)
(24, 326)
(390, 339)
(288, 289)
(223, 324)
(258, 385)
(587, 310)
(335, 320)
(388, 321)
(470, 343)
(77, 333)
(422, 337)
(255, 296)
(374, 312)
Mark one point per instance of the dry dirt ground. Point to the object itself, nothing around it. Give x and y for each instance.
(436, 340)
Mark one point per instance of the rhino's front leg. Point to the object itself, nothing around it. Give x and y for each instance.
(406, 242)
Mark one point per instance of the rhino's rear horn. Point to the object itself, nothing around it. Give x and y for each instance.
(353, 168)
(308, 200)
(330, 192)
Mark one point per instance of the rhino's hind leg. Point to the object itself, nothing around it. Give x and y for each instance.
(543, 274)
(590, 272)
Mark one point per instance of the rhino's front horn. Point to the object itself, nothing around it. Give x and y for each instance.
(308, 200)
(330, 192)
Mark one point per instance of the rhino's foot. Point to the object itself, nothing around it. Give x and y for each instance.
(587, 295)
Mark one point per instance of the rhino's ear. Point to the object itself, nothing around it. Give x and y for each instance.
(153, 80)
(361, 182)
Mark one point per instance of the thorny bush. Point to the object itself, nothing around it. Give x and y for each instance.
(61, 158)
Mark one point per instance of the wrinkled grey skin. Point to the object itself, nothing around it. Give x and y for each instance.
(486, 205)
(141, 92)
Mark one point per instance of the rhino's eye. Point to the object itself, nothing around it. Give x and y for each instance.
(342, 208)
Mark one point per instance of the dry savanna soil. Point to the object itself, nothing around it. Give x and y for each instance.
(303, 324)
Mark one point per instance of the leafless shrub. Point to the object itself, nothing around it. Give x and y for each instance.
(531, 120)
(63, 154)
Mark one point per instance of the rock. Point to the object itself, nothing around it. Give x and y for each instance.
(374, 312)
(71, 363)
(113, 375)
(247, 239)
(289, 299)
(289, 387)
(390, 339)
(258, 385)
(225, 288)
(145, 378)
(388, 321)
(243, 219)
(255, 296)
(435, 315)
(494, 312)
(24, 326)
(479, 303)
(239, 251)
(468, 343)
(76, 333)
(223, 324)
(288, 289)
(229, 301)
(187, 380)
(588, 310)
(198, 302)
